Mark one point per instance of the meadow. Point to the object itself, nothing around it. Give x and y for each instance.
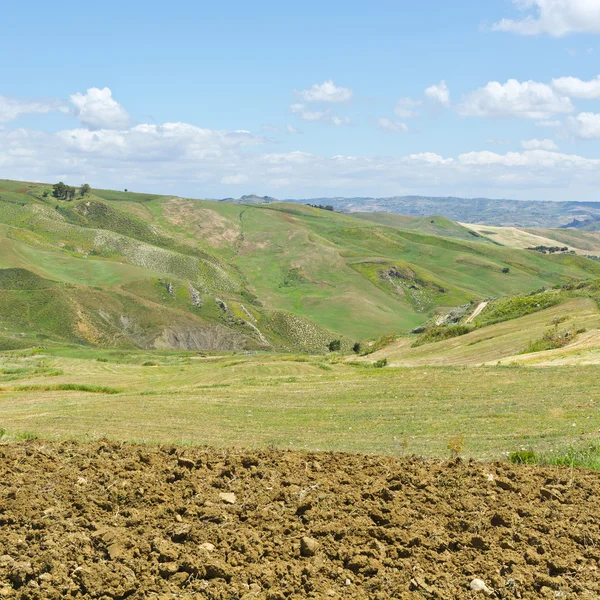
(296, 402)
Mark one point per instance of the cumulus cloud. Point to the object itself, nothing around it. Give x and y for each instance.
(554, 17)
(585, 126)
(392, 126)
(536, 144)
(185, 159)
(12, 108)
(99, 110)
(576, 88)
(439, 93)
(324, 116)
(326, 92)
(405, 108)
(526, 100)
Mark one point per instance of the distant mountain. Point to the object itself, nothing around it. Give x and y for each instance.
(516, 213)
(251, 199)
(591, 224)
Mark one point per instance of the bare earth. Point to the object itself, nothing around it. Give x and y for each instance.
(114, 521)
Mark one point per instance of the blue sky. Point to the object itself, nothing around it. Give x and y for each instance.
(497, 98)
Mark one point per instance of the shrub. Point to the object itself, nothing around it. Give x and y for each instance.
(550, 341)
(356, 348)
(456, 444)
(379, 364)
(335, 346)
(522, 457)
(439, 333)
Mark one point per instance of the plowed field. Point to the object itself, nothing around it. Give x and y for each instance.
(111, 521)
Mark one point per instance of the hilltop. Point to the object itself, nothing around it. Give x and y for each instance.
(129, 270)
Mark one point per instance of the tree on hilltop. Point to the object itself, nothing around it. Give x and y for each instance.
(84, 190)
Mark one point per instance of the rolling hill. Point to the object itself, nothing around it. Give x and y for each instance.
(159, 272)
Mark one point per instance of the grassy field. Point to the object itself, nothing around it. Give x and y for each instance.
(316, 403)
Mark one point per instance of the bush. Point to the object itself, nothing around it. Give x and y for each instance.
(335, 346)
(512, 307)
(437, 334)
(379, 364)
(522, 457)
(356, 348)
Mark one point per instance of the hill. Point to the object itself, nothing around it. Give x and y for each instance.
(159, 272)
(501, 212)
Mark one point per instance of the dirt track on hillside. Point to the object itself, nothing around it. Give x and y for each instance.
(114, 521)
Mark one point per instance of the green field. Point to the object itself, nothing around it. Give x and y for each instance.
(296, 402)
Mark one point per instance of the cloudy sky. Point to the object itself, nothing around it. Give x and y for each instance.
(496, 98)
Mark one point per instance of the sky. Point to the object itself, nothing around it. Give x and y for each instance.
(494, 98)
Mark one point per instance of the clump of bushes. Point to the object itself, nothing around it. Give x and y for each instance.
(551, 340)
(439, 333)
(378, 344)
(513, 307)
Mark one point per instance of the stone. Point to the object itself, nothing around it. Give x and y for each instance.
(227, 497)
(478, 585)
(308, 546)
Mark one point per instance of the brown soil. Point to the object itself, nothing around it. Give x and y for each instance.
(112, 521)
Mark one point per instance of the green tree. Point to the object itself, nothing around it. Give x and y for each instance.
(70, 193)
(59, 190)
(334, 345)
(84, 190)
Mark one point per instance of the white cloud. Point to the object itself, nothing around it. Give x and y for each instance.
(188, 160)
(323, 116)
(291, 130)
(576, 88)
(405, 108)
(439, 93)
(327, 92)
(535, 144)
(549, 123)
(270, 128)
(530, 158)
(526, 100)
(99, 110)
(392, 126)
(237, 179)
(554, 17)
(431, 158)
(585, 126)
(11, 108)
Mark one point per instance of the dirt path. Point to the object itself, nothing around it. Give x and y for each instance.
(477, 311)
(115, 521)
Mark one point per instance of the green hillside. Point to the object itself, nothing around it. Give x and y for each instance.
(158, 272)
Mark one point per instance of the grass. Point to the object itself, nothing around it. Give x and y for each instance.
(584, 455)
(503, 341)
(67, 387)
(262, 401)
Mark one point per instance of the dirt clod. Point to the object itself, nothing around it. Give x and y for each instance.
(308, 546)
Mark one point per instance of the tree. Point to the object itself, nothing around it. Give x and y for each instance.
(70, 193)
(59, 190)
(506, 270)
(335, 346)
(356, 348)
(84, 190)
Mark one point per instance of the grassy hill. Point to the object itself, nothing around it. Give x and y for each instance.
(157, 272)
